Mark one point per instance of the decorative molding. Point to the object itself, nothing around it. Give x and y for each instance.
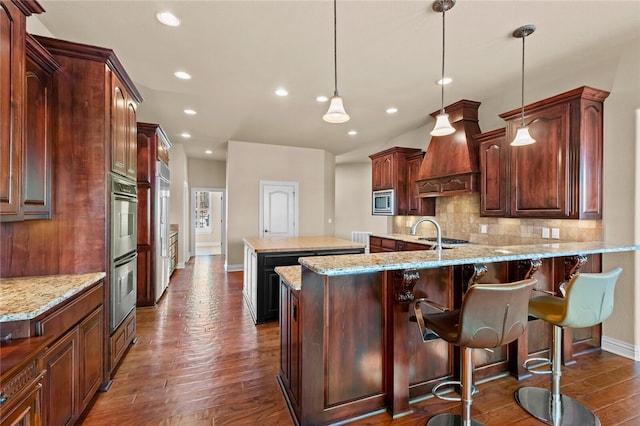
(473, 273)
(403, 282)
(526, 268)
(621, 348)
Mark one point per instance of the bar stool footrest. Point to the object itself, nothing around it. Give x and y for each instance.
(451, 383)
(532, 369)
(448, 419)
(569, 412)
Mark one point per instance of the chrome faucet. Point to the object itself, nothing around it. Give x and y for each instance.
(414, 228)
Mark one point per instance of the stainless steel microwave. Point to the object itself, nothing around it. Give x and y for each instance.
(382, 202)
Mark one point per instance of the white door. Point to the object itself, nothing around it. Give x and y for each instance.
(279, 209)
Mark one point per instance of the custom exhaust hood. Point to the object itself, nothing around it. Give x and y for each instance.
(450, 165)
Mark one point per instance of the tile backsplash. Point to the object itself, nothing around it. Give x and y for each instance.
(459, 217)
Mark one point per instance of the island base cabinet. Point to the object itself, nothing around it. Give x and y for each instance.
(290, 316)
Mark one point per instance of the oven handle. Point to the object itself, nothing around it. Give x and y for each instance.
(120, 197)
(126, 259)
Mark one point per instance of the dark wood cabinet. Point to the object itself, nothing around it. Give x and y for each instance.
(61, 363)
(17, 91)
(21, 381)
(290, 320)
(397, 168)
(559, 176)
(153, 145)
(494, 150)
(124, 127)
(37, 185)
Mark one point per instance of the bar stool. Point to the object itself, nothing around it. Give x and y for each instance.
(491, 316)
(588, 301)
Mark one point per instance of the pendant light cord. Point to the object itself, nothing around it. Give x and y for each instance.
(442, 74)
(335, 50)
(522, 99)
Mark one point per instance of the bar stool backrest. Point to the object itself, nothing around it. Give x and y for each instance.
(589, 299)
(493, 315)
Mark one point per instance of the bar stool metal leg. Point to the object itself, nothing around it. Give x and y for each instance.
(466, 385)
(551, 407)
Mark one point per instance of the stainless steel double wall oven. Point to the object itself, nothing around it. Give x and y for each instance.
(124, 225)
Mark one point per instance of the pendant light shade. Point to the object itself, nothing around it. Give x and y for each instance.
(442, 127)
(336, 112)
(522, 135)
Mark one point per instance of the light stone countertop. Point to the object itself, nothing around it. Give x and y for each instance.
(460, 255)
(292, 276)
(284, 244)
(24, 298)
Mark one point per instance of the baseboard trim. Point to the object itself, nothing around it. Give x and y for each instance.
(233, 268)
(621, 348)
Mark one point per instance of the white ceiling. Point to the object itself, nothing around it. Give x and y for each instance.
(239, 52)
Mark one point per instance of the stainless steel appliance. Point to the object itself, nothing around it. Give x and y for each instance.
(162, 258)
(124, 223)
(383, 202)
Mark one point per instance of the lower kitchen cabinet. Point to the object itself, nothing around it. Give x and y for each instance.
(173, 250)
(122, 338)
(61, 362)
(261, 282)
(290, 320)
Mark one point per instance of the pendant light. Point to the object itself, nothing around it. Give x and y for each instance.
(442, 127)
(522, 135)
(336, 112)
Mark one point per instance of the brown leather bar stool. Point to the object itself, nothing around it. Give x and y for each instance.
(588, 301)
(491, 316)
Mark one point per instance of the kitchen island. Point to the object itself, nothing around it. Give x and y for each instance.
(349, 349)
(262, 255)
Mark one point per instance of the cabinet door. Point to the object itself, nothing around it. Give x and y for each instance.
(12, 66)
(27, 413)
(539, 171)
(382, 172)
(493, 175)
(90, 344)
(36, 198)
(61, 363)
(417, 206)
(294, 343)
(119, 128)
(131, 143)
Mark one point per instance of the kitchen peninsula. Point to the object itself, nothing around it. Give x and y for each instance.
(262, 255)
(348, 347)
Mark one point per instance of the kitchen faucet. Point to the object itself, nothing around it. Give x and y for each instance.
(414, 228)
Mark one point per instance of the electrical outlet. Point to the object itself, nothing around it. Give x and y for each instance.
(545, 232)
(408, 224)
(555, 233)
(483, 229)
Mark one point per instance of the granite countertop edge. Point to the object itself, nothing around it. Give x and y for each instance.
(468, 254)
(288, 244)
(291, 275)
(42, 290)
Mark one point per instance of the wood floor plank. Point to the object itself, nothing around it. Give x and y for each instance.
(200, 361)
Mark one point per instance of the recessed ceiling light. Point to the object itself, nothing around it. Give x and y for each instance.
(208, 151)
(168, 19)
(322, 99)
(281, 92)
(190, 112)
(353, 132)
(444, 81)
(185, 135)
(182, 75)
(392, 110)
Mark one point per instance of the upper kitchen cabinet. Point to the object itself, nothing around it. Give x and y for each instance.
(36, 188)
(493, 173)
(559, 176)
(124, 127)
(13, 99)
(450, 166)
(396, 169)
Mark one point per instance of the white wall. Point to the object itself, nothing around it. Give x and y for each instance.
(179, 206)
(207, 173)
(353, 201)
(248, 163)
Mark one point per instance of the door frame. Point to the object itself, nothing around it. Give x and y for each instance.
(296, 206)
(223, 216)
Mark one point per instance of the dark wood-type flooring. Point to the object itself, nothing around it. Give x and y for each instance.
(199, 360)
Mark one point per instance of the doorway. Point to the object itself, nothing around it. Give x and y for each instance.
(278, 209)
(208, 221)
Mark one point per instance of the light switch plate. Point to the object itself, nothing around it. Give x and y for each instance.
(483, 229)
(545, 232)
(555, 233)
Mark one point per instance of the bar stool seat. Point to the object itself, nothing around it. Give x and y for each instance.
(588, 301)
(491, 316)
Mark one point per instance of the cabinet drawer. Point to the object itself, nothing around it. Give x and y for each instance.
(64, 318)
